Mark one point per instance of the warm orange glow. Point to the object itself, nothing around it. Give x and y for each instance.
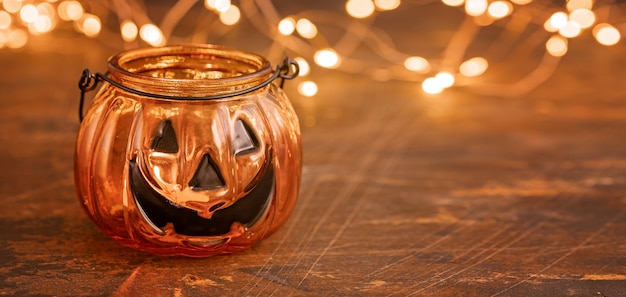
(499, 9)
(16, 39)
(307, 88)
(231, 16)
(327, 58)
(570, 30)
(29, 13)
(473, 67)
(606, 34)
(475, 7)
(577, 4)
(585, 18)
(432, 86)
(556, 46)
(12, 6)
(70, 10)
(152, 35)
(286, 26)
(306, 28)
(360, 8)
(303, 65)
(521, 2)
(387, 4)
(91, 25)
(5, 20)
(129, 30)
(453, 3)
(417, 64)
(445, 79)
(558, 20)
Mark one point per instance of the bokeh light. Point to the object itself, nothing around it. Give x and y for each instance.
(303, 65)
(606, 34)
(152, 35)
(16, 38)
(307, 88)
(306, 28)
(29, 13)
(570, 30)
(70, 10)
(327, 58)
(129, 30)
(473, 67)
(475, 7)
(12, 6)
(387, 4)
(91, 25)
(231, 16)
(453, 3)
(286, 26)
(585, 18)
(446, 79)
(432, 86)
(417, 64)
(499, 9)
(557, 46)
(360, 8)
(5, 20)
(577, 4)
(558, 20)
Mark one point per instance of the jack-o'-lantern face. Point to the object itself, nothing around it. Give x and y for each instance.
(205, 185)
(194, 177)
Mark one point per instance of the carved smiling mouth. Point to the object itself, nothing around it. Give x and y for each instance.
(159, 211)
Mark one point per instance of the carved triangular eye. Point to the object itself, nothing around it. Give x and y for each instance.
(245, 141)
(164, 139)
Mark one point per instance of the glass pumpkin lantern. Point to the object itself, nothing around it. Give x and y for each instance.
(189, 150)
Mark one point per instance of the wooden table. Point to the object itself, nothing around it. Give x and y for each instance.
(402, 194)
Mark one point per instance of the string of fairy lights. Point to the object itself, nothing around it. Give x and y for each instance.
(300, 34)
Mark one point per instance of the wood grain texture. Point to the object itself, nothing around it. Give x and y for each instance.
(402, 194)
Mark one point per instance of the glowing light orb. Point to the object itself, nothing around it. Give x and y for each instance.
(606, 34)
(557, 46)
(360, 8)
(446, 79)
(307, 88)
(327, 58)
(5, 20)
(417, 64)
(432, 86)
(70, 10)
(29, 13)
(286, 26)
(304, 66)
(306, 28)
(558, 20)
(576, 4)
(12, 6)
(499, 9)
(16, 38)
(152, 35)
(231, 16)
(129, 30)
(570, 30)
(521, 2)
(387, 4)
(584, 17)
(453, 3)
(91, 25)
(475, 7)
(474, 67)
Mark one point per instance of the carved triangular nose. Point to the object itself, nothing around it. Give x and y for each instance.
(207, 176)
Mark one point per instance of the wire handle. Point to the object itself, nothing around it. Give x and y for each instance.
(88, 81)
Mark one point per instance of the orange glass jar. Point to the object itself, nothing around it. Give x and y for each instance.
(189, 150)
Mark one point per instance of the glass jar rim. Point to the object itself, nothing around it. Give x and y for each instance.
(132, 68)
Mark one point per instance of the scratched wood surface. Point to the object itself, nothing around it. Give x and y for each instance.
(402, 194)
